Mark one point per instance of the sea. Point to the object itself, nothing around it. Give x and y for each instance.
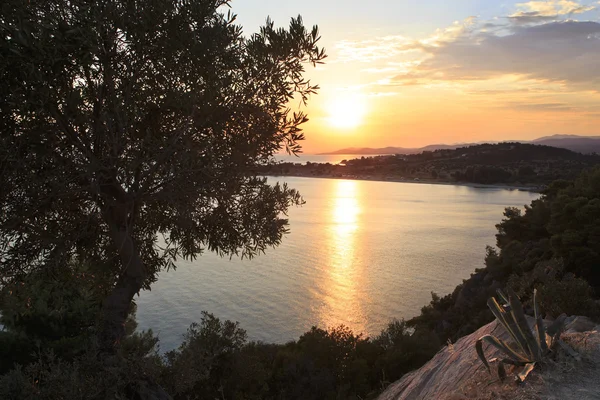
(359, 254)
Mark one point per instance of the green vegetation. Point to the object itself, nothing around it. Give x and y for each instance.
(552, 247)
(215, 360)
(503, 163)
(55, 309)
(129, 133)
(532, 346)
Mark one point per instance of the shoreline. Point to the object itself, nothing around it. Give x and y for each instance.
(533, 189)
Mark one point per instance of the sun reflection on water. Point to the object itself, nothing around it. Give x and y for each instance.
(343, 303)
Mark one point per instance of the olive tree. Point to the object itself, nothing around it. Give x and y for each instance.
(124, 122)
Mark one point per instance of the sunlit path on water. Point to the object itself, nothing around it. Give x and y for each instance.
(343, 302)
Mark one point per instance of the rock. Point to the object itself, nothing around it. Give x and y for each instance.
(456, 372)
(578, 324)
(451, 365)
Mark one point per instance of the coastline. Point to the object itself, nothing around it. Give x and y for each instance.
(524, 188)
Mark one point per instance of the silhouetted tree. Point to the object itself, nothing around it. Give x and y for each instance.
(125, 120)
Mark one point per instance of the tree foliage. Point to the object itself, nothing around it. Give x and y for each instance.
(552, 246)
(124, 122)
(54, 309)
(215, 360)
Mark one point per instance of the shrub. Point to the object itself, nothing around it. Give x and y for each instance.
(199, 368)
(532, 345)
(88, 376)
(571, 296)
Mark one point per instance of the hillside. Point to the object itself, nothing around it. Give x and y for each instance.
(502, 163)
(581, 144)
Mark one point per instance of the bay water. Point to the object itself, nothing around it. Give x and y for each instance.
(359, 253)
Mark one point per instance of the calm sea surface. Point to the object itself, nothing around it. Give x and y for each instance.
(359, 253)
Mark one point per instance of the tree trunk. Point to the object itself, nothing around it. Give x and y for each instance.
(117, 305)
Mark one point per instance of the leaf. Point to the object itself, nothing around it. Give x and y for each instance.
(509, 324)
(557, 326)
(501, 371)
(539, 324)
(500, 345)
(523, 374)
(513, 362)
(479, 349)
(523, 325)
(502, 296)
(568, 349)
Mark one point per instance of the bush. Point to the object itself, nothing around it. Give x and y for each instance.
(133, 371)
(199, 368)
(571, 296)
(403, 350)
(53, 309)
(215, 361)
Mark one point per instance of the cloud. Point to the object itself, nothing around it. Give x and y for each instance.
(406, 81)
(553, 107)
(373, 49)
(555, 7)
(544, 52)
(566, 51)
(388, 47)
(382, 94)
(530, 17)
(380, 70)
(495, 92)
(543, 11)
(447, 35)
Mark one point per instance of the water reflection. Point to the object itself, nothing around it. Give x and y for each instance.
(343, 303)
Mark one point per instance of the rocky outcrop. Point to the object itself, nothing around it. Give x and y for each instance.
(456, 372)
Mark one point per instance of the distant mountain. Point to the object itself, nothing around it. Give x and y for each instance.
(580, 144)
(565, 137)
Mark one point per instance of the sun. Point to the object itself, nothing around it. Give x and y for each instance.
(346, 111)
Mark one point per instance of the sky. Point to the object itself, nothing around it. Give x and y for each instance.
(413, 73)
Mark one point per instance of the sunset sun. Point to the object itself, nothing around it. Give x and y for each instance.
(346, 111)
